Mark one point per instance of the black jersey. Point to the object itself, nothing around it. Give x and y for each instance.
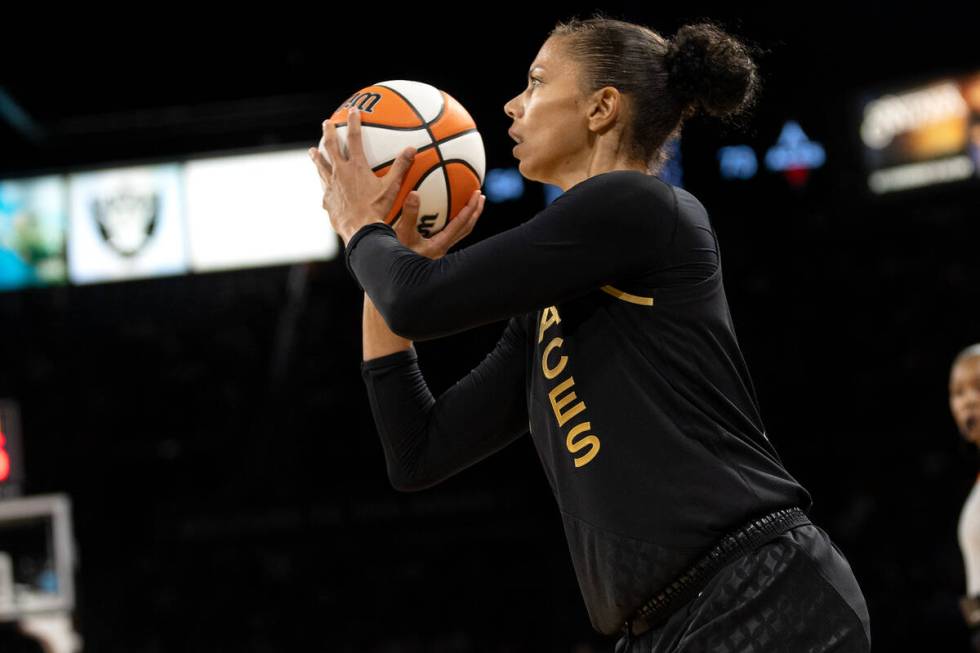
(620, 357)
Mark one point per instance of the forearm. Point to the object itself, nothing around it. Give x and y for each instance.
(426, 439)
(378, 339)
(607, 229)
(400, 404)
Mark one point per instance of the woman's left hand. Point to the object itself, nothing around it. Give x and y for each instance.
(353, 195)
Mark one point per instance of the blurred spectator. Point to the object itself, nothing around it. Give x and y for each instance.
(964, 402)
(973, 145)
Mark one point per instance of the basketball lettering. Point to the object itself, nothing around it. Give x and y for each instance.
(365, 101)
(425, 223)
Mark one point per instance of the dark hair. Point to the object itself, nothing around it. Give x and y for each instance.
(666, 81)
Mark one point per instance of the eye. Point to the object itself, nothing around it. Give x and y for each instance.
(534, 79)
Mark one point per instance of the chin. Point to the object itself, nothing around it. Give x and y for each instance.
(523, 169)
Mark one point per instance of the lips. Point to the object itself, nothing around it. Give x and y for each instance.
(515, 136)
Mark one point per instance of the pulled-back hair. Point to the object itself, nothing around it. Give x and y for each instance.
(666, 81)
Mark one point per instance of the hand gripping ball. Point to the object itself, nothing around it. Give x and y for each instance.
(450, 162)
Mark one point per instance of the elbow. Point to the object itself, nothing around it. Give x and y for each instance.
(406, 476)
(406, 317)
(402, 487)
(409, 304)
(411, 477)
(400, 320)
(402, 484)
(399, 481)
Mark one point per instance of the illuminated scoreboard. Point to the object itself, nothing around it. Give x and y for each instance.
(11, 460)
(922, 135)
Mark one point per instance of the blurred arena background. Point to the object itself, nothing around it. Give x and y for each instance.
(192, 411)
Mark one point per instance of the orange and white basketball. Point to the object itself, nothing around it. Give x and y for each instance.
(450, 162)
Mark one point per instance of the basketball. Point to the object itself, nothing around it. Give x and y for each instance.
(450, 162)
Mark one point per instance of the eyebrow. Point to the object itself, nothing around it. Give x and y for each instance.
(532, 70)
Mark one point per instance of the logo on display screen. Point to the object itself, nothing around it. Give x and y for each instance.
(127, 220)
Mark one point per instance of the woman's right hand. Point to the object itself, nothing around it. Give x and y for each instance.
(437, 245)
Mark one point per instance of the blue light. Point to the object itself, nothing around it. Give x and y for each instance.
(47, 581)
(551, 193)
(503, 184)
(794, 150)
(737, 162)
(673, 172)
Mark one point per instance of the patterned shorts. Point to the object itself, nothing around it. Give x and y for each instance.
(795, 593)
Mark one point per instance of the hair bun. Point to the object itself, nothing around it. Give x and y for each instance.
(711, 69)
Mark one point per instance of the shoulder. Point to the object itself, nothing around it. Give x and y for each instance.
(622, 193)
(601, 208)
(625, 180)
(688, 203)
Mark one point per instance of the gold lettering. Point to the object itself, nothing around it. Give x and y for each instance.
(558, 404)
(591, 441)
(548, 318)
(552, 372)
(565, 407)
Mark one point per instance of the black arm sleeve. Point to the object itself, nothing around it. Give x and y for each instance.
(427, 440)
(604, 229)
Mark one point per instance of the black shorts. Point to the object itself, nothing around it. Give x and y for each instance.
(795, 593)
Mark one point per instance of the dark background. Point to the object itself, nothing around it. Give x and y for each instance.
(228, 487)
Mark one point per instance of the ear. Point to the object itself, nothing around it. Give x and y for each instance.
(607, 108)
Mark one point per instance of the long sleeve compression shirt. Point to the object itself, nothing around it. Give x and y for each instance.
(620, 357)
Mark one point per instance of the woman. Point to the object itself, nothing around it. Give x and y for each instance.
(619, 354)
(964, 403)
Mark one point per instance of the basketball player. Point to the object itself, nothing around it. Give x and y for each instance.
(964, 402)
(619, 354)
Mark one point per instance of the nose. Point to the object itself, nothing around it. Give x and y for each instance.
(970, 399)
(510, 108)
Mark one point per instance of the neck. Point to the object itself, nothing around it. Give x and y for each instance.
(608, 153)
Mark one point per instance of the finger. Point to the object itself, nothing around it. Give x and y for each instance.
(466, 212)
(405, 226)
(476, 201)
(323, 167)
(456, 229)
(322, 146)
(476, 209)
(479, 208)
(330, 143)
(355, 146)
(467, 219)
(396, 173)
